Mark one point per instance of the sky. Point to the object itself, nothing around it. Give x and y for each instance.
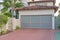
(0, 0)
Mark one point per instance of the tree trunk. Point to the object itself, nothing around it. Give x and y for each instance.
(12, 11)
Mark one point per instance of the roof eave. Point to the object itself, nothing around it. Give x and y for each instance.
(27, 8)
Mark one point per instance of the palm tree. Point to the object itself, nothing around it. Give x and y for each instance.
(8, 4)
(8, 8)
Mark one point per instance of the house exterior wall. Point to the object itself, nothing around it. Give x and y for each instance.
(32, 4)
(17, 22)
(37, 12)
(42, 4)
(49, 3)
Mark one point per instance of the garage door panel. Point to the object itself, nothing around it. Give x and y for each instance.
(31, 21)
(45, 19)
(35, 25)
(46, 25)
(26, 25)
(35, 19)
(26, 19)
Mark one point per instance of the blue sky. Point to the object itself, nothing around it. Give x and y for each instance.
(0, 0)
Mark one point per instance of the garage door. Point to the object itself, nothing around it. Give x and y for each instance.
(28, 21)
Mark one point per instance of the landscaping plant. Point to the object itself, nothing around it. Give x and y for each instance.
(58, 26)
(3, 21)
(6, 11)
(17, 27)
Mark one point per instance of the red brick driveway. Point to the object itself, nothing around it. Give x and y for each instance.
(29, 34)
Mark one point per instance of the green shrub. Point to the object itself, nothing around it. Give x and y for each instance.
(4, 31)
(58, 26)
(17, 27)
(3, 19)
(8, 14)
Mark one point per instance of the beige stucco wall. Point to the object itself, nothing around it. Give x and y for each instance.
(9, 27)
(15, 23)
(18, 22)
(49, 3)
(42, 4)
(37, 12)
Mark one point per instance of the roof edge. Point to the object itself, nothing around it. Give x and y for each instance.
(37, 8)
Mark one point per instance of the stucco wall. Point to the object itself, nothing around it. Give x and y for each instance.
(37, 12)
(16, 22)
(11, 23)
(49, 3)
(42, 4)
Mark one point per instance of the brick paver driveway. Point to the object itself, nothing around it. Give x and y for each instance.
(29, 34)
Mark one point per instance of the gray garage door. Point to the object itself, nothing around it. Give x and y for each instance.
(28, 21)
